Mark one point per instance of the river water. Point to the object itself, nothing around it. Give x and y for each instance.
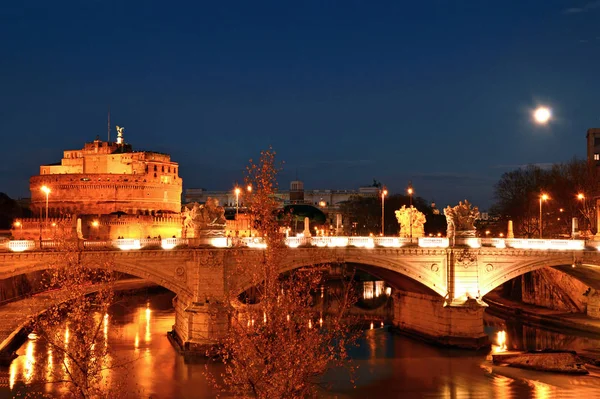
(389, 365)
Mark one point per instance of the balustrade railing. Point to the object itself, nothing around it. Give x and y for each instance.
(317, 241)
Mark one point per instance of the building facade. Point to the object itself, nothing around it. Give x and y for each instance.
(328, 201)
(107, 177)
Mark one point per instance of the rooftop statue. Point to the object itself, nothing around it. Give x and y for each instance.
(405, 216)
(461, 219)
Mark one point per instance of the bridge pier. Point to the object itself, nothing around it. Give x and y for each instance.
(198, 327)
(429, 318)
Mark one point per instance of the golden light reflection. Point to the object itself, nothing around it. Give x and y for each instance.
(541, 390)
(310, 324)
(372, 325)
(50, 366)
(501, 340)
(136, 344)
(29, 361)
(66, 335)
(12, 375)
(66, 364)
(105, 328)
(147, 336)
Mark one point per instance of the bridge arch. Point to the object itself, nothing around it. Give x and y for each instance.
(173, 279)
(388, 265)
(587, 271)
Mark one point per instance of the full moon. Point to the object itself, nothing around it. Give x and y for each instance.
(542, 115)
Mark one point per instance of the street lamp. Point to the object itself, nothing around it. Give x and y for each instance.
(581, 197)
(46, 190)
(18, 223)
(410, 193)
(237, 201)
(543, 197)
(383, 194)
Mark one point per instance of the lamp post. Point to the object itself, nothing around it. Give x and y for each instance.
(237, 201)
(581, 197)
(46, 190)
(543, 197)
(251, 222)
(18, 223)
(383, 194)
(410, 193)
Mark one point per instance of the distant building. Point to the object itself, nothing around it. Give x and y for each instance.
(593, 158)
(593, 146)
(327, 200)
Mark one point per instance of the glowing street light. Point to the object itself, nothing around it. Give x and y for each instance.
(384, 192)
(543, 197)
(542, 115)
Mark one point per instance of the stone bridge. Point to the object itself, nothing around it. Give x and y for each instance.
(456, 278)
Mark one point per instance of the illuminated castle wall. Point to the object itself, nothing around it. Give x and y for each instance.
(106, 177)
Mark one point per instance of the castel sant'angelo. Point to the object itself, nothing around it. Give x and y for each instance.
(107, 190)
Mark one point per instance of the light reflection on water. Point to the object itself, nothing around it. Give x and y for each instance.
(389, 365)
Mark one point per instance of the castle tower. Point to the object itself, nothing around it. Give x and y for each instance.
(107, 177)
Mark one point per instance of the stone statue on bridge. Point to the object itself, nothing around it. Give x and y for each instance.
(207, 220)
(407, 215)
(461, 220)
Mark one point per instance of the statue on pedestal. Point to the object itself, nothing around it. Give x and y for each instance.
(461, 220)
(206, 220)
(407, 215)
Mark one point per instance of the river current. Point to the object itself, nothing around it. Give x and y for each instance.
(389, 365)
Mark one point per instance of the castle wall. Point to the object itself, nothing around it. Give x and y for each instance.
(104, 194)
(104, 227)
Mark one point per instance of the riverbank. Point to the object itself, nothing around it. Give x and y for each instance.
(548, 319)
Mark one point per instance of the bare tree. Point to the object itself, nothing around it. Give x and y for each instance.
(74, 328)
(279, 344)
(518, 195)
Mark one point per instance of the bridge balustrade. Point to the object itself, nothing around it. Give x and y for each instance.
(320, 242)
(434, 242)
(21, 245)
(103, 244)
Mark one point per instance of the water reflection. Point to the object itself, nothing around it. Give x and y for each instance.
(389, 365)
(521, 336)
(373, 289)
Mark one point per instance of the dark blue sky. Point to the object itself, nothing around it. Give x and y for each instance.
(437, 92)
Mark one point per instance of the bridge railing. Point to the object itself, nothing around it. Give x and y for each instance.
(318, 241)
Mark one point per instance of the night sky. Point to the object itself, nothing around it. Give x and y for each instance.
(437, 92)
